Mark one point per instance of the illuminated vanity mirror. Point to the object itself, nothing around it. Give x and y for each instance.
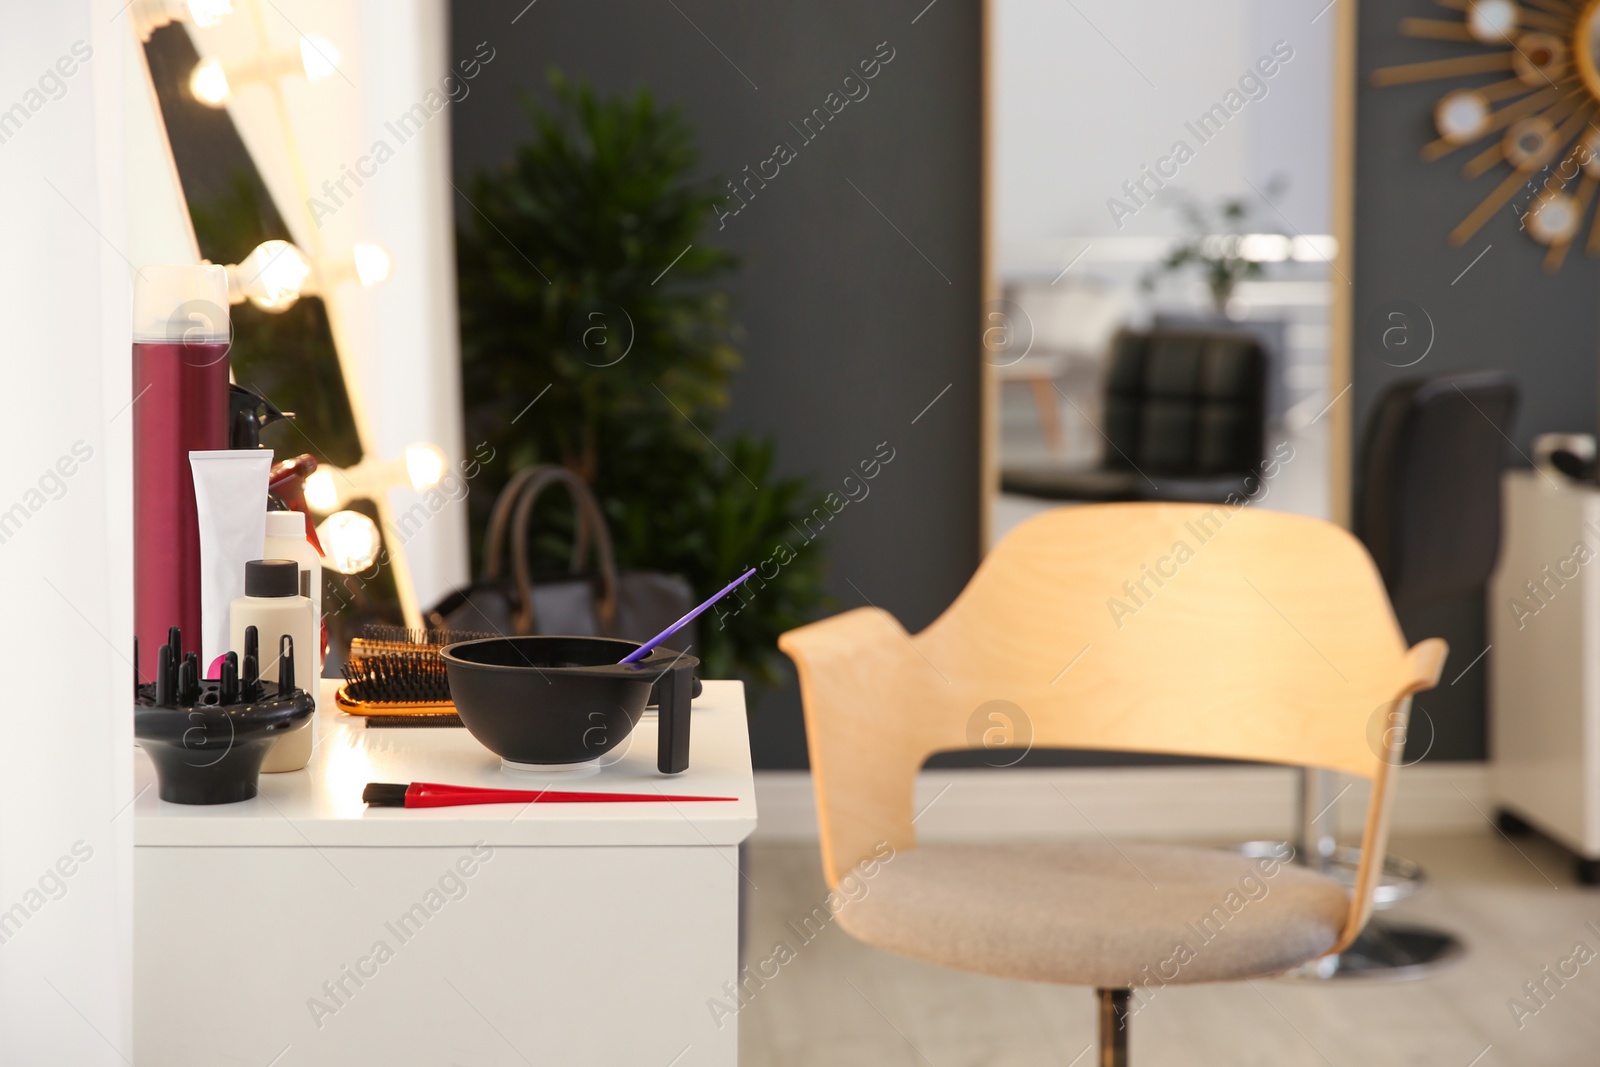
(283, 348)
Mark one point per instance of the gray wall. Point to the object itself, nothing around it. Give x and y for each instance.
(1505, 312)
(850, 331)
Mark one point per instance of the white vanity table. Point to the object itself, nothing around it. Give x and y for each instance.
(303, 928)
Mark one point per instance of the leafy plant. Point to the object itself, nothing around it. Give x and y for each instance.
(1216, 244)
(593, 337)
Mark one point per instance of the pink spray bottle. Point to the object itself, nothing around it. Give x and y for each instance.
(180, 403)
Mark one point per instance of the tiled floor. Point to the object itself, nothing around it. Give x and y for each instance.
(839, 1003)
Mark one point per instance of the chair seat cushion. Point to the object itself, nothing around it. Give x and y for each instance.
(1099, 915)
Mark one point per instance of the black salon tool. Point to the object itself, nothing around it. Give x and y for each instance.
(248, 413)
(207, 739)
(404, 681)
(394, 672)
(250, 665)
(566, 700)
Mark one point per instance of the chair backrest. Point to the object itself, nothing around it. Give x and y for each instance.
(1428, 506)
(1177, 628)
(1186, 402)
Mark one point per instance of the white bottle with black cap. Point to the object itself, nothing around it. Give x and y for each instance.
(286, 539)
(273, 605)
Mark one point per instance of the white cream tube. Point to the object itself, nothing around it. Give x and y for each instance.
(230, 493)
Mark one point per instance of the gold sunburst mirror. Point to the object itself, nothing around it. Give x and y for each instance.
(1539, 120)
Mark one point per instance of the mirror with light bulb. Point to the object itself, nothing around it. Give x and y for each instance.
(283, 348)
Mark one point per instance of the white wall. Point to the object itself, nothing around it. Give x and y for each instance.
(1088, 92)
(66, 768)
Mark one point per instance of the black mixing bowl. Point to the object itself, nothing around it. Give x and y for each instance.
(566, 700)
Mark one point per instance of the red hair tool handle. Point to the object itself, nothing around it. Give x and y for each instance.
(435, 795)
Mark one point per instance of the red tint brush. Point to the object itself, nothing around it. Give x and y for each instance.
(433, 795)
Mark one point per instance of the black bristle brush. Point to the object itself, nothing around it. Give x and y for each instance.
(395, 676)
(395, 683)
(398, 677)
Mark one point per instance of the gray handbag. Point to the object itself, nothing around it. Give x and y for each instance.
(602, 602)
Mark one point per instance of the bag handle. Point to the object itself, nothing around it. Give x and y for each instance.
(588, 513)
(494, 541)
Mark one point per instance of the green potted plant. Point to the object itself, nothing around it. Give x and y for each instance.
(1215, 244)
(594, 335)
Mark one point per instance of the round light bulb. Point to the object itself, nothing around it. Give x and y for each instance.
(205, 13)
(1462, 116)
(322, 492)
(424, 465)
(1492, 21)
(209, 83)
(372, 263)
(319, 58)
(1554, 219)
(273, 275)
(350, 540)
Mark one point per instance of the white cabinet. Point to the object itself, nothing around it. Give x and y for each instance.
(1544, 679)
(301, 928)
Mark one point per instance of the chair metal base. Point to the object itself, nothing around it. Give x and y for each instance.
(1384, 950)
(1401, 878)
(1388, 951)
(1113, 1026)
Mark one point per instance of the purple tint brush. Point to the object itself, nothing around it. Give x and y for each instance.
(645, 649)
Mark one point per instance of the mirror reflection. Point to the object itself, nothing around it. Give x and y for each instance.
(1163, 264)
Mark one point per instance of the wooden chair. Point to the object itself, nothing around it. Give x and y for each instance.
(1202, 630)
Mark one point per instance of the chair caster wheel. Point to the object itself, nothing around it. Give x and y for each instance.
(1587, 871)
(1511, 825)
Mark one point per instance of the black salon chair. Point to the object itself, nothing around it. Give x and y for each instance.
(1428, 501)
(1428, 509)
(1184, 419)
